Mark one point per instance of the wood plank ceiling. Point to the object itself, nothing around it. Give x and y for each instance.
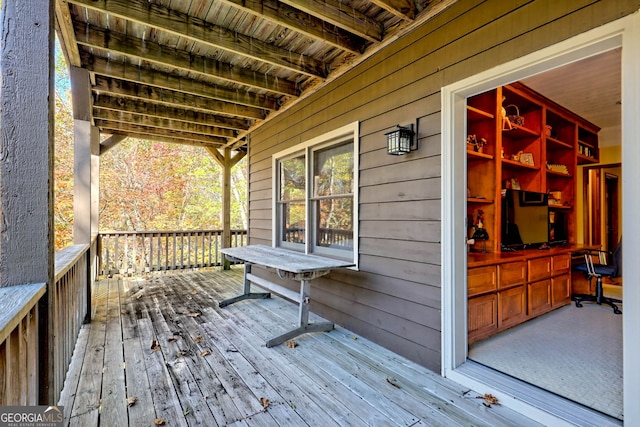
(208, 72)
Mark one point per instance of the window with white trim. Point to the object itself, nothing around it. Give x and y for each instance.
(315, 196)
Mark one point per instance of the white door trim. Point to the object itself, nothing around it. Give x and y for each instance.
(624, 32)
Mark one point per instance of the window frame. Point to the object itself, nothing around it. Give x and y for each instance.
(345, 134)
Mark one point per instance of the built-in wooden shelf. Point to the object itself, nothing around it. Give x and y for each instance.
(474, 155)
(479, 200)
(513, 164)
(474, 114)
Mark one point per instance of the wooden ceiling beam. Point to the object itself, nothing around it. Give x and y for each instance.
(144, 50)
(347, 18)
(66, 36)
(111, 142)
(139, 107)
(175, 99)
(149, 76)
(182, 25)
(124, 128)
(161, 123)
(403, 9)
(305, 24)
(168, 139)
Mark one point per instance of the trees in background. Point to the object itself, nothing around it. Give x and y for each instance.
(147, 185)
(144, 185)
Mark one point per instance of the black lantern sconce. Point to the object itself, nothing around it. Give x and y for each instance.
(400, 140)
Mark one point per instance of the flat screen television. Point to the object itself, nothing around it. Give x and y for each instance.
(525, 219)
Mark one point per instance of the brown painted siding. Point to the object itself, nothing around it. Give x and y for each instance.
(395, 297)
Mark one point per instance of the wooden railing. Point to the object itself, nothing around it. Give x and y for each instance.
(19, 348)
(325, 236)
(23, 343)
(136, 252)
(71, 305)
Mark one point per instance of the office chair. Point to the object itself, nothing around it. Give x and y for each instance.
(599, 270)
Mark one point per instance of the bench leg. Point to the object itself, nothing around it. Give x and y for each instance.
(303, 317)
(247, 294)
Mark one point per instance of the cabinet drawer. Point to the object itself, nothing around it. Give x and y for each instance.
(560, 264)
(481, 280)
(511, 273)
(539, 269)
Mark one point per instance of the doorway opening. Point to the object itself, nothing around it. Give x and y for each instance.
(543, 406)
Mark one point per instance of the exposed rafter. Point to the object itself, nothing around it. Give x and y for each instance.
(163, 80)
(143, 50)
(210, 72)
(174, 98)
(183, 25)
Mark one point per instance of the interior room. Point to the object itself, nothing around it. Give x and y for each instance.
(563, 191)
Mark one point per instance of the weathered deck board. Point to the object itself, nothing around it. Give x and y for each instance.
(330, 378)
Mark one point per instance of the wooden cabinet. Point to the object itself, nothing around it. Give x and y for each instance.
(507, 292)
(481, 280)
(560, 290)
(552, 139)
(539, 297)
(482, 314)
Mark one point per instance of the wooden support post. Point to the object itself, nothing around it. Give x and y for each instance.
(227, 161)
(26, 163)
(86, 170)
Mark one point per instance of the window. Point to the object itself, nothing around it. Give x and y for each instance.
(315, 201)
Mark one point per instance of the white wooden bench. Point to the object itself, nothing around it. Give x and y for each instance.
(290, 265)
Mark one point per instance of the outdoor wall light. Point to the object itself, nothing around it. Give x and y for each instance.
(400, 140)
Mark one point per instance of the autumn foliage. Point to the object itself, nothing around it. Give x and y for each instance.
(144, 185)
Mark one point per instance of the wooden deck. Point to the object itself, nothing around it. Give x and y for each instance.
(163, 342)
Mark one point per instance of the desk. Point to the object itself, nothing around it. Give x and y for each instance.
(290, 265)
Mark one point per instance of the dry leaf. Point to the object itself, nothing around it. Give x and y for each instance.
(264, 402)
(193, 292)
(159, 422)
(154, 345)
(172, 339)
(198, 339)
(205, 353)
(193, 314)
(393, 382)
(131, 401)
(489, 398)
(292, 344)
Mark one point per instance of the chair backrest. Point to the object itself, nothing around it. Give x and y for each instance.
(617, 259)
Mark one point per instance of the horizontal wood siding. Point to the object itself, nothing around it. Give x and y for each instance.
(394, 298)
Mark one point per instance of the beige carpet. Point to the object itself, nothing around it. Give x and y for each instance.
(573, 352)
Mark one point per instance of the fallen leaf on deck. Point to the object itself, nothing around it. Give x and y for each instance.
(205, 353)
(292, 344)
(198, 339)
(193, 314)
(154, 345)
(489, 398)
(264, 402)
(131, 401)
(159, 422)
(354, 338)
(193, 292)
(172, 339)
(393, 382)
